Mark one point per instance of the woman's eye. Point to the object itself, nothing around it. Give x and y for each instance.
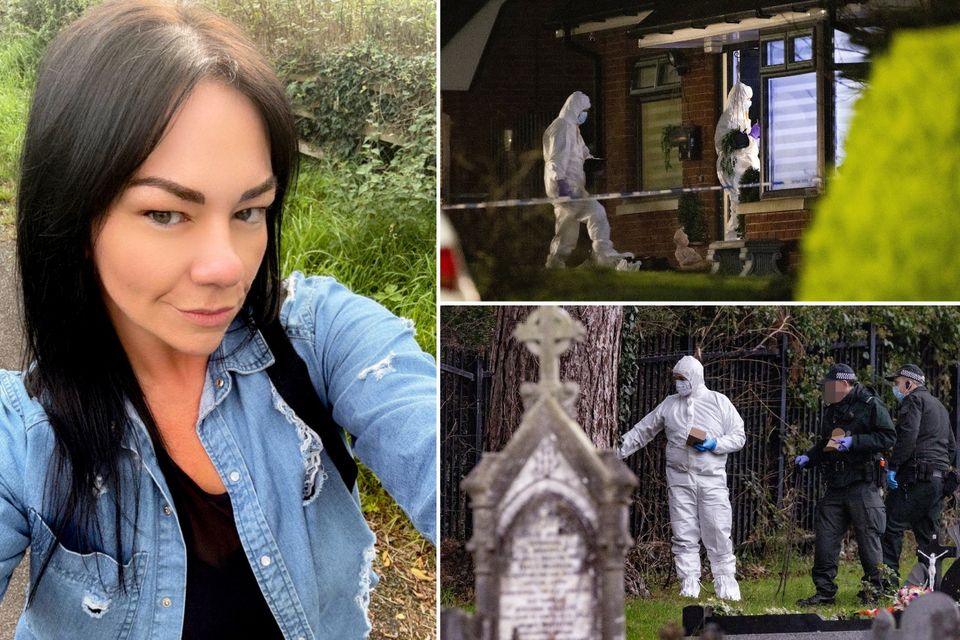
(165, 218)
(253, 214)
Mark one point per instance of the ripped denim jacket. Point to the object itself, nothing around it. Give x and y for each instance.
(302, 530)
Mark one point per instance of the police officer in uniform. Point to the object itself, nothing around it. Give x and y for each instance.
(924, 451)
(851, 467)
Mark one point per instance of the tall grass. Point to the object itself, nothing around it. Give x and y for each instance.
(371, 229)
(17, 57)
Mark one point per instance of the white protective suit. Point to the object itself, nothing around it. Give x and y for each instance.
(564, 153)
(736, 117)
(696, 481)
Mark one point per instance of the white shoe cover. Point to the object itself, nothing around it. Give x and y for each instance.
(690, 588)
(727, 588)
(626, 265)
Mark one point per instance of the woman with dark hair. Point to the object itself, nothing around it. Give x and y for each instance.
(151, 460)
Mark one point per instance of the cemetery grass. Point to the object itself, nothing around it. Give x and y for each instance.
(589, 283)
(379, 244)
(645, 617)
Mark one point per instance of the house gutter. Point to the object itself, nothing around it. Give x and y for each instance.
(596, 99)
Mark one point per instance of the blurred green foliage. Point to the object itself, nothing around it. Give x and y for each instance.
(887, 226)
(362, 92)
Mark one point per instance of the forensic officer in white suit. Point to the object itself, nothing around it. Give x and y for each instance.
(564, 153)
(696, 475)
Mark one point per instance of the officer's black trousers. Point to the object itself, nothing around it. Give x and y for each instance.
(911, 506)
(858, 504)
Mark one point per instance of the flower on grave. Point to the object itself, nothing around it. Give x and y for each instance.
(908, 594)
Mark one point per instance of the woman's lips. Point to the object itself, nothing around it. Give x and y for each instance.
(209, 317)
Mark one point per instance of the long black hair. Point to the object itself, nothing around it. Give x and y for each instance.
(106, 90)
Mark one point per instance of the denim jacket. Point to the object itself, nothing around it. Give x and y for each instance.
(302, 530)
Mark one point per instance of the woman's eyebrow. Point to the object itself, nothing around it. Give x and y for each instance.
(260, 189)
(192, 195)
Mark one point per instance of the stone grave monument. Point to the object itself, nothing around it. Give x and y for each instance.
(550, 516)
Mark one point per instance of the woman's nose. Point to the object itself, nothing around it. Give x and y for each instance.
(217, 261)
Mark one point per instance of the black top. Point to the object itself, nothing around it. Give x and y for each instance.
(861, 415)
(924, 433)
(223, 598)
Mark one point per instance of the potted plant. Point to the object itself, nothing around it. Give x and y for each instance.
(668, 140)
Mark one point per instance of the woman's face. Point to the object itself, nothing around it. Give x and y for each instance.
(178, 250)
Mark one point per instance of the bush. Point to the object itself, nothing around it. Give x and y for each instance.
(886, 228)
(690, 216)
(360, 91)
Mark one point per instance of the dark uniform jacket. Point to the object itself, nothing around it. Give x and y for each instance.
(861, 415)
(924, 435)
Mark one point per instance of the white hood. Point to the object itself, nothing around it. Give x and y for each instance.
(576, 102)
(691, 369)
(564, 149)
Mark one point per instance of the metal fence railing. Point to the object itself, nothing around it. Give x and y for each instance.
(464, 390)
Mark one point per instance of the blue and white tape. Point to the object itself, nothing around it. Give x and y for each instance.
(526, 202)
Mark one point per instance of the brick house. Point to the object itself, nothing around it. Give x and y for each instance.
(508, 65)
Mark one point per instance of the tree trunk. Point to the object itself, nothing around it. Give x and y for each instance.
(591, 363)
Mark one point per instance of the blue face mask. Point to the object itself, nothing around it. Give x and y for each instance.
(899, 395)
(581, 117)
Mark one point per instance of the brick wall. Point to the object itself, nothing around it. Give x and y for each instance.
(651, 233)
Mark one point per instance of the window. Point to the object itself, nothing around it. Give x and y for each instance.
(655, 116)
(791, 130)
(787, 101)
(654, 76)
(790, 124)
(656, 83)
(846, 55)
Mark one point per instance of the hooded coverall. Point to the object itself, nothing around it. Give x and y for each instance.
(696, 481)
(735, 118)
(564, 152)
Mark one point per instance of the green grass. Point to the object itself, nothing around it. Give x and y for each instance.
(645, 617)
(588, 283)
(16, 56)
(372, 231)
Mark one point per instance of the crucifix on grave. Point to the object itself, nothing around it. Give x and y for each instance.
(931, 557)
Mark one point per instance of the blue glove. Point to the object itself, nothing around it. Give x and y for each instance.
(801, 461)
(707, 445)
(563, 187)
(892, 479)
(844, 443)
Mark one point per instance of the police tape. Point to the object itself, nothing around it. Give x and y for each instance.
(526, 202)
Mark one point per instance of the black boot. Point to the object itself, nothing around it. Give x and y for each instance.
(814, 600)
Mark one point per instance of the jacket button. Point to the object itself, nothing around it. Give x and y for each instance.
(234, 476)
(219, 383)
(265, 561)
(166, 602)
(167, 510)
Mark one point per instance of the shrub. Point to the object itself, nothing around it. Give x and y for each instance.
(363, 91)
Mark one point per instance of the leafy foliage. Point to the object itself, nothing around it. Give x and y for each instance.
(750, 194)
(363, 91)
(690, 215)
(290, 30)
